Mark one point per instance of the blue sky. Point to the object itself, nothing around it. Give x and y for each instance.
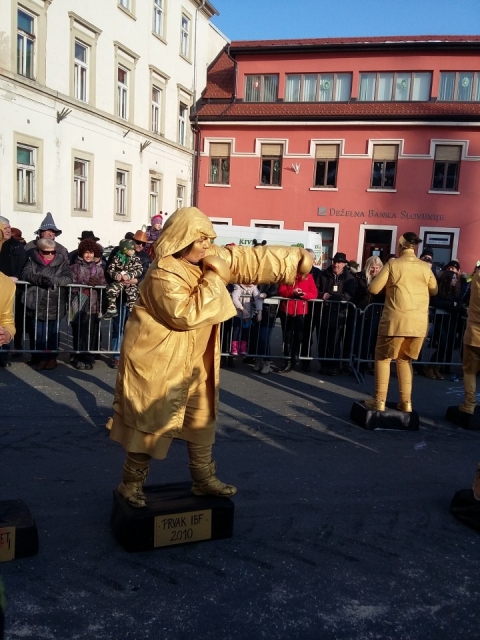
(279, 19)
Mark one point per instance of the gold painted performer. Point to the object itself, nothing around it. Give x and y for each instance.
(471, 361)
(168, 377)
(409, 282)
(7, 295)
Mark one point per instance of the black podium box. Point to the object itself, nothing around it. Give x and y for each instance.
(466, 508)
(18, 531)
(462, 419)
(173, 516)
(391, 418)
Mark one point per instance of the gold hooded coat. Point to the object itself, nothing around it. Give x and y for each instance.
(409, 282)
(7, 295)
(171, 347)
(472, 331)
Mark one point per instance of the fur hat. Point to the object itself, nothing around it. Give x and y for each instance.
(47, 224)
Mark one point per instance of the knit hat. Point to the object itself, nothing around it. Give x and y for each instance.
(126, 245)
(47, 224)
(158, 219)
(89, 245)
(426, 252)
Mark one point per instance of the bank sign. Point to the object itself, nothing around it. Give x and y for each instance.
(373, 214)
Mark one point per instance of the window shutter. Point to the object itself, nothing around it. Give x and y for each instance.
(447, 153)
(326, 151)
(219, 149)
(385, 152)
(272, 149)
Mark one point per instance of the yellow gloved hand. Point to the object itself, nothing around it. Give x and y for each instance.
(219, 266)
(306, 263)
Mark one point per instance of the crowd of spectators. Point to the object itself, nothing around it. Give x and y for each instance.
(314, 324)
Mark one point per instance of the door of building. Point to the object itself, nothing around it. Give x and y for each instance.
(441, 244)
(377, 242)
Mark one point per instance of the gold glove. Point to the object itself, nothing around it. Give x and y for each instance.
(306, 263)
(218, 265)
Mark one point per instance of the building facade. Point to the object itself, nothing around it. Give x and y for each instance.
(95, 100)
(360, 139)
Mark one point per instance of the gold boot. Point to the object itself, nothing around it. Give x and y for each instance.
(405, 406)
(470, 399)
(375, 405)
(202, 469)
(135, 472)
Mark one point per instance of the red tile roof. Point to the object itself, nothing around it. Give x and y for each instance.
(339, 110)
(368, 40)
(221, 78)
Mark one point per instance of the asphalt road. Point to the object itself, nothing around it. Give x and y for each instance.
(339, 534)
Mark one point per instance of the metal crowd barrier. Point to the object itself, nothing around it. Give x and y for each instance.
(332, 334)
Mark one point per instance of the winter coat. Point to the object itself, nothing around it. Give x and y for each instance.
(246, 299)
(297, 306)
(177, 305)
(472, 332)
(409, 282)
(47, 298)
(145, 261)
(341, 289)
(12, 258)
(363, 297)
(87, 300)
(132, 267)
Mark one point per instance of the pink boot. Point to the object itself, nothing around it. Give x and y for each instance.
(234, 349)
(243, 347)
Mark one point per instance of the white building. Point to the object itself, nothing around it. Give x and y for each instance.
(94, 110)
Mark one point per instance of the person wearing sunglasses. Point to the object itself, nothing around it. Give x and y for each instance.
(45, 302)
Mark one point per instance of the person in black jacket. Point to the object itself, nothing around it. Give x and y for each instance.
(140, 239)
(49, 272)
(335, 284)
(12, 261)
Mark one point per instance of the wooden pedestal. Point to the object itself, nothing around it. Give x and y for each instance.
(391, 418)
(173, 516)
(18, 531)
(464, 420)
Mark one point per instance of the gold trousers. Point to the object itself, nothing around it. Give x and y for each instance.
(471, 366)
(403, 350)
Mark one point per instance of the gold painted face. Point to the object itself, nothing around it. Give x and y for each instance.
(198, 250)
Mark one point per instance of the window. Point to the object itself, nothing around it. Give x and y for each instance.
(446, 167)
(26, 186)
(121, 193)
(125, 4)
(314, 87)
(156, 109)
(398, 86)
(180, 196)
(271, 166)
(459, 85)
(182, 124)
(158, 17)
(261, 88)
(80, 177)
(154, 200)
(219, 163)
(122, 105)
(185, 36)
(80, 74)
(326, 165)
(25, 44)
(384, 166)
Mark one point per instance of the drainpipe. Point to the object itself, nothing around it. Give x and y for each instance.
(195, 129)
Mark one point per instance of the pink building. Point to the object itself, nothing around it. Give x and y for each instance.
(360, 139)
